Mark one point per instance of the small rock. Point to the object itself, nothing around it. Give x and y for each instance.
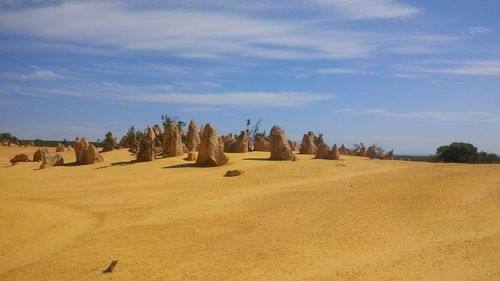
(19, 158)
(51, 161)
(234, 173)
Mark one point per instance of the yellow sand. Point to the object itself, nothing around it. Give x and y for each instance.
(354, 219)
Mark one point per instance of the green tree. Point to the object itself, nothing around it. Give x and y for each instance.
(132, 139)
(172, 119)
(109, 142)
(457, 152)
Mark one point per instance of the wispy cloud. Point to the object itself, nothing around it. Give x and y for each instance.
(210, 84)
(169, 94)
(479, 30)
(407, 76)
(334, 70)
(369, 9)
(472, 67)
(37, 74)
(196, 34)
(427, 115)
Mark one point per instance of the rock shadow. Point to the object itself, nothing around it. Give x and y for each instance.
(257, 159)
(185, 165)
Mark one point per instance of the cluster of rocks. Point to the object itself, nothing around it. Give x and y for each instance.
(237, 144)
(86, 153)
(372, 152)
(324, 152)
(261, 143)
(60, 148)
(40, 155)
(173, 142)
(308, 146)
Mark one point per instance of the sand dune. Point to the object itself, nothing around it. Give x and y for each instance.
(353, 219)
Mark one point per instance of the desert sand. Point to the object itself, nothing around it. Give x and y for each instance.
(352, 219)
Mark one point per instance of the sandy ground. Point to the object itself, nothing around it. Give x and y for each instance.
(353, 219)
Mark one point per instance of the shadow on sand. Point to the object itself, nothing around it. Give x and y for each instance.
(185, 165)
(122, 163)
(257, 159)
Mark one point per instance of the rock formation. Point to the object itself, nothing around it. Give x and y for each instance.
(157, 134)
(279, 146)
(193, 137)
(146, 150)
(51, 161)
(228, 141)
(86, 153)
(211, 148)
(60, 148)
(191, 156)
(334, 153)
(172, 141)
(240, 145)
(19, 158)
(39, 155)
(293, 145)
(323, 151)
(124, 142)
(261, 144)
(308, 146)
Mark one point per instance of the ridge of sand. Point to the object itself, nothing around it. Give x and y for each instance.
(303, 220)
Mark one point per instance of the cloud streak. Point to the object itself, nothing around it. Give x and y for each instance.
(483, 117)
(369, 9)
(196, 34)
(37, 74)
(472, 67)
(168, 94)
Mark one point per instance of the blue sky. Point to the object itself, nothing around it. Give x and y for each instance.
(407, 75)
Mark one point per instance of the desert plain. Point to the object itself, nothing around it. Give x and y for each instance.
(310, 219)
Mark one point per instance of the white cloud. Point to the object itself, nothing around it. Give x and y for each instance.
(338, 71)
(37, 74)
(369, 9)
(486, 117)
(210, 84)
(168, 94)
(477, 67)
(405, 75)
(479, 30)
(102, 26)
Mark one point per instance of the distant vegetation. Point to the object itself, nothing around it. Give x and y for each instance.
(460, 152)
(8, 137)
(172, 119)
